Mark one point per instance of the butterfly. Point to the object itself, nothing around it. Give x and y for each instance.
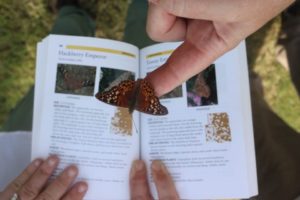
(134, 95)
(72, 82)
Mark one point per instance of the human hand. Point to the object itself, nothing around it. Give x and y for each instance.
(139, 188)
(32, 183)
(209, 28)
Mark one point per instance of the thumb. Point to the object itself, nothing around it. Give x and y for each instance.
(184, 62)
(162, 26)
(187, 60)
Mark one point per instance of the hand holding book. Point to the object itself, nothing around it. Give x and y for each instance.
(35, 177)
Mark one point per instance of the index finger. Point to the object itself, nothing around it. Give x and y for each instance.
(183, 63)
(60, 187)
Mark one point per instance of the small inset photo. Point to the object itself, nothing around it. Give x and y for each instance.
(175, 93)
(75, 79)
(202, 88)
(112, 77)
(217, 129)
(121, 122)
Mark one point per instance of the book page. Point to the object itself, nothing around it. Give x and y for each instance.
(68, 119)
(39, 77)
(206, 140)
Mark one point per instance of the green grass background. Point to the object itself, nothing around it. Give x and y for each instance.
(23, 23)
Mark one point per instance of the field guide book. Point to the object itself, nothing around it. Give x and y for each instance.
(205, 138)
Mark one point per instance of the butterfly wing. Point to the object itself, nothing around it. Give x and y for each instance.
(119, 95)
(147, 102)
(73, 82)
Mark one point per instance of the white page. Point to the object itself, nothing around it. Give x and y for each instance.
(207, 156)
(40, 74)
(248, 117)
(78, 127)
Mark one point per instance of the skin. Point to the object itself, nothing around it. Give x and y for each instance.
(139, 188)
(209, 28)
(31, 184)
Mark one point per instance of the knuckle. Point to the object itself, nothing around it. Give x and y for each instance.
(18, 182)
(61, 182)
(16, 185)
(46, 196)
(45, 171)
(27, 172)
(28, 191)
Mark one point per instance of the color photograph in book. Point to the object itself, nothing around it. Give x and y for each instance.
(136, 95)
(112, 77)
(217, 129)
(75, 79)
(202, 88)
(121, 122)
(175, 93)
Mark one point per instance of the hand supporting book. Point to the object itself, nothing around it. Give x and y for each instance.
(32, 182)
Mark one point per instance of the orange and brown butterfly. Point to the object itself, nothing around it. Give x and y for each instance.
(72, 82)
(134, 95)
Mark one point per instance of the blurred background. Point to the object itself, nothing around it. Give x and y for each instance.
(23, 23)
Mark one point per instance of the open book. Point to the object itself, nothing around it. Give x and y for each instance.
(205, 140)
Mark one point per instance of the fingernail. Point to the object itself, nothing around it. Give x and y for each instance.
(82, 188)
(158, 166)
(52, 161)
(72, 172)
(137, 166)
(37, 162)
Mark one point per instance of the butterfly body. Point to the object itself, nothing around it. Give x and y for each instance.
(134, 95)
